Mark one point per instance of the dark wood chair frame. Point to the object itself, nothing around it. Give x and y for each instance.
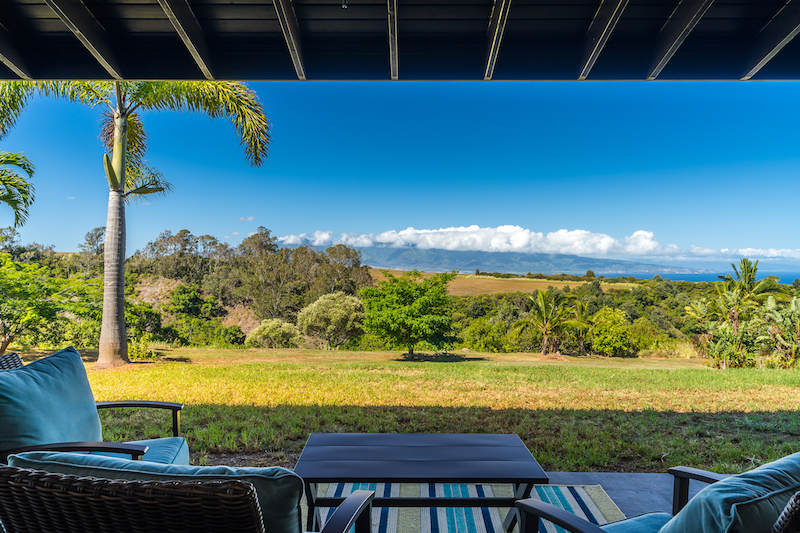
(31, 500)
(136, 451)
(533, 510)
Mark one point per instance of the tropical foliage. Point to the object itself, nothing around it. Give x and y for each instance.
(126, 170)
(16, 191)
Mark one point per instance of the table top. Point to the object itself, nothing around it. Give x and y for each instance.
(418, 458)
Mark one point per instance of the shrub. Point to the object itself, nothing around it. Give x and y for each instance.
(335, 318)
(274, 333)
(611, 335)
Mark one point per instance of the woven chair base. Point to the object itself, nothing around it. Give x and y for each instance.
(34, 502)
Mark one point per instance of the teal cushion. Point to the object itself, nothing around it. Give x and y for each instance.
(750, 502)
(168, 451)
(48, 400)
(646, 523)
(279, 490)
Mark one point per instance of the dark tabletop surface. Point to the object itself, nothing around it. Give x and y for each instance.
(418, 458)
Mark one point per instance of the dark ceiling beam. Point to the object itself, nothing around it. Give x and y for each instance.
(773, 37)
(291, 33)
(394, 57)
(89, 32)
(9, 55)
(497, 25)
(606, 18)
(188, 29)
(675, 31)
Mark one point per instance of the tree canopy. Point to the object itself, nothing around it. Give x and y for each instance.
(409, 309)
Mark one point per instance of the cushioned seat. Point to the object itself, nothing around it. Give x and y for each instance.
(168, 451)
(50, 401)
(746, 503)
(278, 490)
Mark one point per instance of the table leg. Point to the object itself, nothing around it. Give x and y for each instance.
(313, 523)
(521, 491)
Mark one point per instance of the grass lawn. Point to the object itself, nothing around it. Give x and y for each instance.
(258, 407)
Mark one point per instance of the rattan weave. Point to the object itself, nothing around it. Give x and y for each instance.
(9, 361)
(34, 502)
(789, 520)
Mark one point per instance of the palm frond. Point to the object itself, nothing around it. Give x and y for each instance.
(89, 93)
(14, 96)
(143, 180)
(137, 138)
(216, 99)
(16, 191)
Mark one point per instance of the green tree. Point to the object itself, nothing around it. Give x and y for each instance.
(610, 334)
(33, 301)
(126, 171)
(336, 318)
(548, 314)
(16, 191)
(274, 333)
(409, 309)
(92, 250)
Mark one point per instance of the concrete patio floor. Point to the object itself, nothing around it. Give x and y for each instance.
(634, 494)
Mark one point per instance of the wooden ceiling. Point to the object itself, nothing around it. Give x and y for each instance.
(400, 39)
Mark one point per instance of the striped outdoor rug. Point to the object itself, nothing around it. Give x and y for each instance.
(587, 501)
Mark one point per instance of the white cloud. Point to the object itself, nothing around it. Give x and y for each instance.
(70, 197)
(641, 244)
(246, 219)
(234, 233)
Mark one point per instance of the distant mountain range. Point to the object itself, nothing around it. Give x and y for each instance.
(433, 260)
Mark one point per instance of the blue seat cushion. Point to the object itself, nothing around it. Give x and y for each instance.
(168, 451)
(48, 400)
(279, 490)
(646, 523)
(749, 502)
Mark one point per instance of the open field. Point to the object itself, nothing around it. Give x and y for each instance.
(472, 284)
(257, 407)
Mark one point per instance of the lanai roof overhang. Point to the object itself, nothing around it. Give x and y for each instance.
(400, 39)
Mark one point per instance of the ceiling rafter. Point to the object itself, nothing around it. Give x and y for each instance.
(89, 32)
(291, 33)
(394, 57)
(10, 56)
(779, 32)
(188, 29)
(606, 18)
(497, 25)
(675, 31)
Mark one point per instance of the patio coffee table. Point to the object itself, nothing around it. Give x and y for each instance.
(418, 458)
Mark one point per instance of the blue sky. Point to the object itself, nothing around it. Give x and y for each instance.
(669, 172)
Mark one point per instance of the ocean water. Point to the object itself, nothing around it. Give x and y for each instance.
(785, 277)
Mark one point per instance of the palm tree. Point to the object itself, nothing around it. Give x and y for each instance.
(15, 190)
(127, 173)
(547, 315)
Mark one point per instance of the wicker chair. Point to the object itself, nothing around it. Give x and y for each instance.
(32, 501)
(9, 361)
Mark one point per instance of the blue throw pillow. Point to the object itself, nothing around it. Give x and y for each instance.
(48, 400)
(279, 490)
(746, 503)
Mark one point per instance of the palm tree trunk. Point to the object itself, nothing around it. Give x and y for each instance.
(544, 344)
(113, 338)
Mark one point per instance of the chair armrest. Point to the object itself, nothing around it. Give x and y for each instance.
(355, 509)
(136, 451)
(682, 475)
(174, 407)
(532, 510)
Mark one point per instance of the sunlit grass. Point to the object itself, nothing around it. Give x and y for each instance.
(575, 414)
